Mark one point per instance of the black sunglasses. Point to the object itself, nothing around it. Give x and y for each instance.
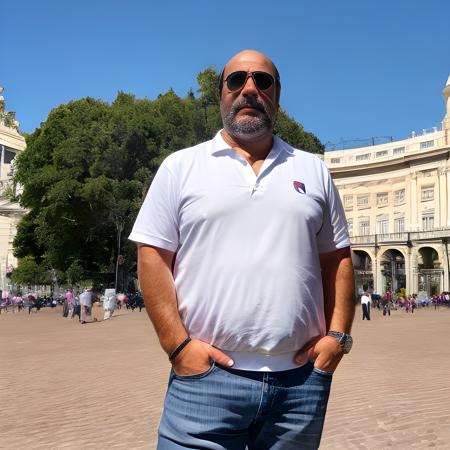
(236, 80)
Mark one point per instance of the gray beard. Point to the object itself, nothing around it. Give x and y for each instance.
(249, 126)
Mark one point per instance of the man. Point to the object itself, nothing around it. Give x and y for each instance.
(85, 304)
(234, 237)
(365, 303)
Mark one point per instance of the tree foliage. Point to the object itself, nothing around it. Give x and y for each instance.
(29, 273)
(87, 167)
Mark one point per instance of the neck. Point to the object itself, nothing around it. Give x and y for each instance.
(252, 149)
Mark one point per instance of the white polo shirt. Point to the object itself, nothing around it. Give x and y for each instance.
(247, 270)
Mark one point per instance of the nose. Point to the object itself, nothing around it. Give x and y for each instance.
(249, 87)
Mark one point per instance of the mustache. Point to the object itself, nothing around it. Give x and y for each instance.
(249, 102)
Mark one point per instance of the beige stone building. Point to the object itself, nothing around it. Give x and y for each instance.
(396, 197)
(11, 143)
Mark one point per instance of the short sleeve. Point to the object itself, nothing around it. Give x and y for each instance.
(333, 234)
(157, 221)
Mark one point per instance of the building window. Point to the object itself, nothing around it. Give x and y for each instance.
(335, 160)
(399, 225)
(426, 144)
(364, 226)
(381, 154)
(399, 196)
(8, 156)
(382, 198)
(363, 201)
(383, 224)
(348, 201)
(362, 157)
(427, 193)
(398, 151)
(427, 222)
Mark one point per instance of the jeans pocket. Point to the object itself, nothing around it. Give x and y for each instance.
(323, 373)
(195, 376)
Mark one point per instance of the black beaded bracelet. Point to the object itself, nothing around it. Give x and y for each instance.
(175, 353)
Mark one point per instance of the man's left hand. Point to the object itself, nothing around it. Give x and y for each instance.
(325, 353)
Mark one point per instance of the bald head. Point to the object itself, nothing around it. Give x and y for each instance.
(250, 60)
(250, 56)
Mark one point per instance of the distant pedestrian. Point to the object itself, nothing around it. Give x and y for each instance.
(32, 303)
(386, 305)
(68, 303)
(407, 304)
(109, 303)
(76, 306)
(365, 304)
(97, 309)
(85, 303)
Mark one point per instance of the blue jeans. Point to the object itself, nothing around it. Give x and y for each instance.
(229, 409)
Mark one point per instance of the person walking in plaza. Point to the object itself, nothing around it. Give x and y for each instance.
(76, 306)
(85, 304)
(244, 263)
(97, 308)
(365, 304)
(68, 303)
(387, 304)
(109, 303)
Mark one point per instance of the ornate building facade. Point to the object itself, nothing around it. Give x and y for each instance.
(397, 201)
(11, 143)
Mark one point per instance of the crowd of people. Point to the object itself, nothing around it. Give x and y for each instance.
(400, 301)
(90, 304)
(87, 304)
(30, 301)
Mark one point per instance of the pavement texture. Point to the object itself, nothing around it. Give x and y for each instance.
(64, 385)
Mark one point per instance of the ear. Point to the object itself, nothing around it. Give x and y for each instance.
(278, 93)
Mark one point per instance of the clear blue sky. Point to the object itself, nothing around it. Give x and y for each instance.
(349, 68)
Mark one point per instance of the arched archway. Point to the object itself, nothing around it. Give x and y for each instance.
(430, 271)
(362, 265)
(392, 265)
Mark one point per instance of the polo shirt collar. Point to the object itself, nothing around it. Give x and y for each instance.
(219, 144)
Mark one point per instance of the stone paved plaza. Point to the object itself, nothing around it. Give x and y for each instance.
(100, 385)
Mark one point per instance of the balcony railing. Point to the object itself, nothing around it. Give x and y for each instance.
(404, 237)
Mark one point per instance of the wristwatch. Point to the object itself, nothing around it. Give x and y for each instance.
(344, 339)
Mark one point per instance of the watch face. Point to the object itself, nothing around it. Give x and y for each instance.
(348, 343)
(344, 339)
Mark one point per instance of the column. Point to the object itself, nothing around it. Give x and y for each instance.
(378, 277)
(375, 273)
(437, 201)
(413, 202)
(445, 285)
(447, 176)
(443, 196)
(1, 160)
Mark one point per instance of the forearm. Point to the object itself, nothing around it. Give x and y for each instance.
(338, 286)
(158, 288)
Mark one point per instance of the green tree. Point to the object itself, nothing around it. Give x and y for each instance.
(30, 273)
(293, 133)
(74, 273)
(82, 169)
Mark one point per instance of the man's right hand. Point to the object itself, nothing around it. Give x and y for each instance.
(196, 358)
